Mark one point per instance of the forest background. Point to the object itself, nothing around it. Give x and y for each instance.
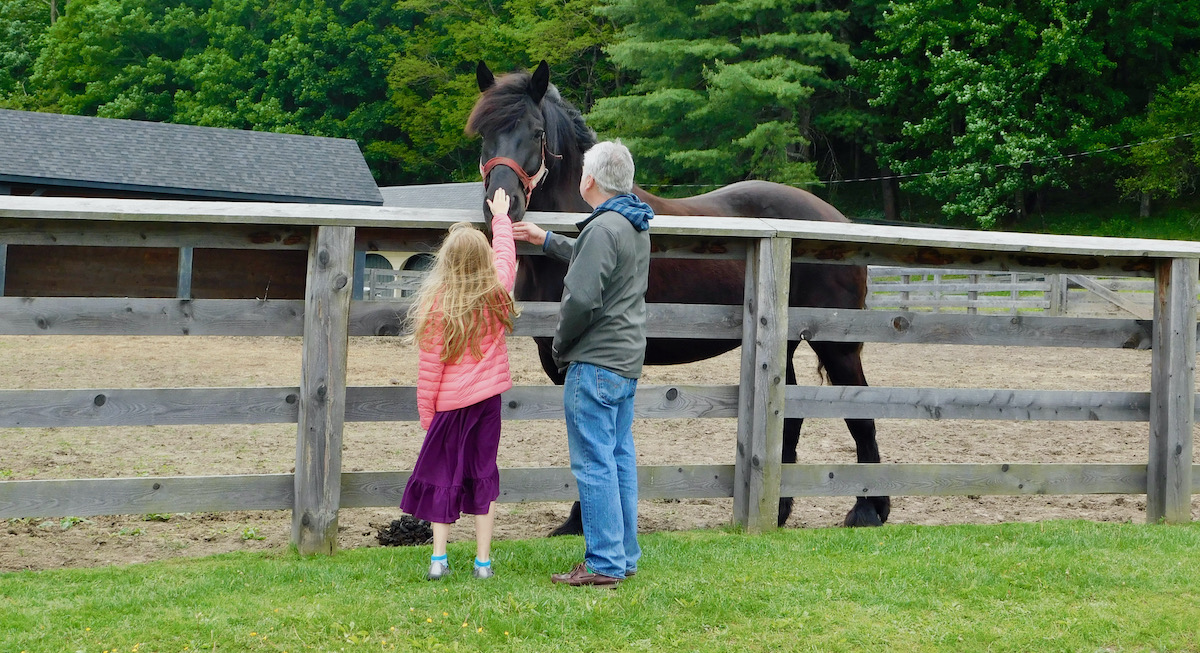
(977, 113)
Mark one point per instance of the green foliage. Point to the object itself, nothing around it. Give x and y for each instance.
(432, 83)
(992, 97)
(995, 100)
(67, 522)
(1054, 586)
(23, 25)
(724, 90)
(298, 66)
(1169, 161)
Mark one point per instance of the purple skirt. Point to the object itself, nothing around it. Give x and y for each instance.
(456, 470)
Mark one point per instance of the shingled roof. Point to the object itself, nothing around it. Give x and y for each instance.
(458, 195)
(52, 150)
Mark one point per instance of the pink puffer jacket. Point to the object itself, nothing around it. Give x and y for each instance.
(446, 386)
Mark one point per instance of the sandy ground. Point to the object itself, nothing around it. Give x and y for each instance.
(108, 362)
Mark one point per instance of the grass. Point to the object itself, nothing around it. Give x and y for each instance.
(1055, 586)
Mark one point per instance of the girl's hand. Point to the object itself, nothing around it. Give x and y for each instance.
(500, 202)
(529, 232)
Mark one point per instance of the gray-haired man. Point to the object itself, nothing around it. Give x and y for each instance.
(601, 342)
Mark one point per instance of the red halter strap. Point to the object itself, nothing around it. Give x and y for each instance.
(527, 181)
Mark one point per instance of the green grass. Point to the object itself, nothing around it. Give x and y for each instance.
(1057, 586)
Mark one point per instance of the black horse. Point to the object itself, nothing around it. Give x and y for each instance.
(526, 126)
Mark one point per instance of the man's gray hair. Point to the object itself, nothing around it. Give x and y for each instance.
(611, 165)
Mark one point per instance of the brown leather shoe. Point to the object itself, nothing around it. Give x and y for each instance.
(581, 576)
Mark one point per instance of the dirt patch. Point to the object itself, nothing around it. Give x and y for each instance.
(109, 362)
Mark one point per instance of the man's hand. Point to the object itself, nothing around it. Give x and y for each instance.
(500, 202)
(529, 232)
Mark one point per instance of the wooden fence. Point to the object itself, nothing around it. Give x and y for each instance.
(327, 317)
(976, 291)
(391, 284)
(937, 290)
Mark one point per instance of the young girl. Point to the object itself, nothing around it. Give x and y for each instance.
(460, 317)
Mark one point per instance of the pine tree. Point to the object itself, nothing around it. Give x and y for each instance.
(722, 91)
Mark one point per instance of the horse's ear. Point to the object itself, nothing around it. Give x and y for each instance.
(540, 82)
(483, 76)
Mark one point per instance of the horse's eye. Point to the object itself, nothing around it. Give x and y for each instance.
(539, 133)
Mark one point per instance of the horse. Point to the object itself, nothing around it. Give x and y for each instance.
(525, 125)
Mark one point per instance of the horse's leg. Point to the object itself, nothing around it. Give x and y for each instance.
(574, 523)
(843, 364)
(791, 434)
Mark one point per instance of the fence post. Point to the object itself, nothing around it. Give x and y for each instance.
(1057, 294)
(973, 295)
(360, 266)
(1172, 392)
(757, 465)
(323, 390)
(184, 286)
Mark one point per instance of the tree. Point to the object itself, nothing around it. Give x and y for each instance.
(22, 36)
(724, 90)
(1168, 160)
(432, 78)
(299, 66)
(54, 7)
(994, 98)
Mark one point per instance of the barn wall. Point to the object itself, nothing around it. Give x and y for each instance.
(73, 271)
(248, 274)
(70, 271)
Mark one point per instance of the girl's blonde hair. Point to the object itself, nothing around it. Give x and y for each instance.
(461, 296)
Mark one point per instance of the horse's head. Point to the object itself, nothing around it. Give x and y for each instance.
(509, 117)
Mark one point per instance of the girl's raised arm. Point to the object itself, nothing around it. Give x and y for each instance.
(502, 240)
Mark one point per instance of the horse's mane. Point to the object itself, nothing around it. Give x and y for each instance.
(500, 108)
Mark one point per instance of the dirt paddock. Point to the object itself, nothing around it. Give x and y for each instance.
(146, 362)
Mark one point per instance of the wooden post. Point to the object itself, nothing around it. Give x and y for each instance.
(1172, 392)
(184, 290)
(937, 293)
(323, 390)
(1056, 294)
(360, 267)
(1014, 295)
(973, 295)
(761, 395)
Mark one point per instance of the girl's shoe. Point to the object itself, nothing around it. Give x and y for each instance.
(483, 572)
(438, 569)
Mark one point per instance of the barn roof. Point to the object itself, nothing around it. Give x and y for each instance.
(53, 150)
(466, 195)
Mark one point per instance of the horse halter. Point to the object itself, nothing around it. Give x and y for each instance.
(527, 181)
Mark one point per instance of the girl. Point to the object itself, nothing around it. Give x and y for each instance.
(460, 318)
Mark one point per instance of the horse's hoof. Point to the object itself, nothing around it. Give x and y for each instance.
(863, 514)
(883, 506)
(573, 525)
(567, 528)
(785, 510)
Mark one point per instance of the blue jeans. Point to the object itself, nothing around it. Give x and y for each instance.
(599, 412)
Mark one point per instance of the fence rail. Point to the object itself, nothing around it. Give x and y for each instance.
(972, 291)
(326, 318)
(937, 290)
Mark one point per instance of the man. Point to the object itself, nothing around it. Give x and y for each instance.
(600, 341)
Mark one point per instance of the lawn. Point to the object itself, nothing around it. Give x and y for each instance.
(1053, 586)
